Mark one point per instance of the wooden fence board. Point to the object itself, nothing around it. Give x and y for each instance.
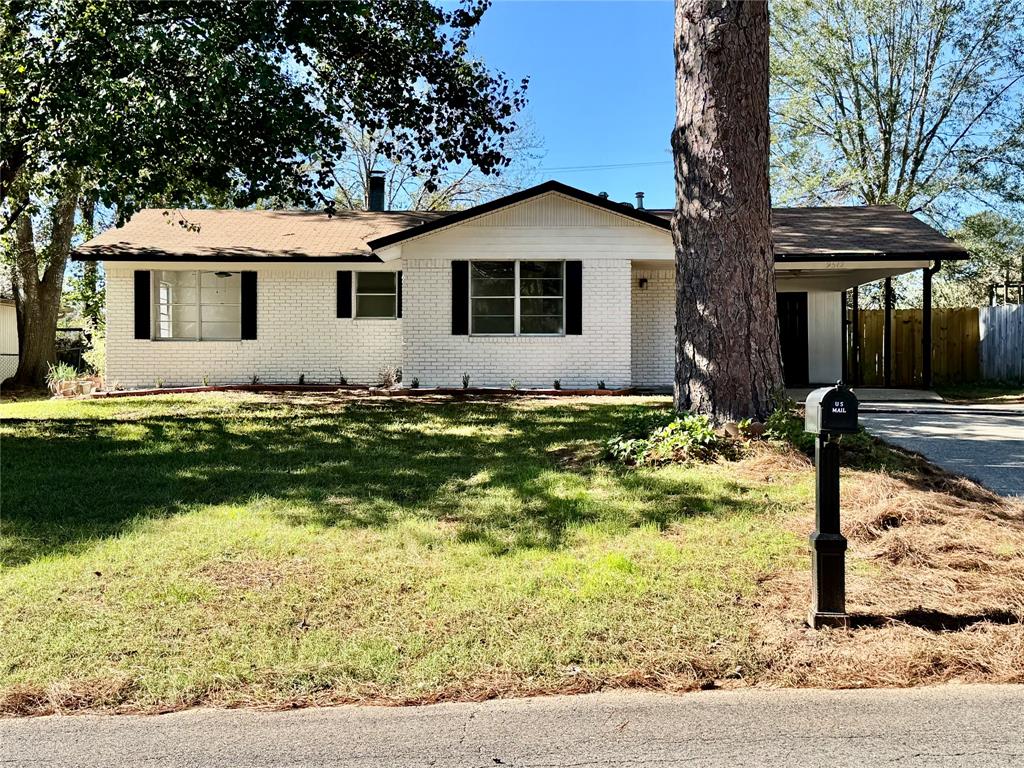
(1001, 331)
(955, 346)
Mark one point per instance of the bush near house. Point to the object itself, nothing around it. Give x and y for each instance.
(236, 549)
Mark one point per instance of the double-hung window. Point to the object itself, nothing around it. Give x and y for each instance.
(376, 294)
(195, 305)
(521, 298)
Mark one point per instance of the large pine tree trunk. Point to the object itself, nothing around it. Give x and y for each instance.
(727, 340)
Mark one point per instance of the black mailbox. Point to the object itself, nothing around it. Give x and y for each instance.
(831, 410)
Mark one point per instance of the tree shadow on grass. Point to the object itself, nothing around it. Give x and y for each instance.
(491, 469)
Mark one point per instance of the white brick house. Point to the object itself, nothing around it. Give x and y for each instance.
(549, 283)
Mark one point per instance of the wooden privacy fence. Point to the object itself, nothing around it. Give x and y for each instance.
(955, 342)
(1002, 342)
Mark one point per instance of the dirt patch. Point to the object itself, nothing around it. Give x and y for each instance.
(66, 698)
(255, 574)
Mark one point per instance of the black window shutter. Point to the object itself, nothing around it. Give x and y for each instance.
(460, 298)
(398, 294)
(143, 296)
(345, 293)
(248, 305)
(574, 298)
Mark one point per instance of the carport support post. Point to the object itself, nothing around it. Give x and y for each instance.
(855, 337)
(828, 545)
(926, 328)
(887, 334)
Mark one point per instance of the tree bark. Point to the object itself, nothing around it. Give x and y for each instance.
(728, 362)
(38, 282)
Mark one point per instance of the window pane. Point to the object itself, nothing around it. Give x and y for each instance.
(540, 324)
(221, 290)
(221, 313)
(494, 324)
(540, 307)
(375, 282)
(375, 306)
(488, 287)
(494, 269)
(540, 287)
(231, 330)
(487, 307)
(540, 269)
(176, 329)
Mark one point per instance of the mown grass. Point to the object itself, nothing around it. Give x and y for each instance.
(233, 549)
(983, 392)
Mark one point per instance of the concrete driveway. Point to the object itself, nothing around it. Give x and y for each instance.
(983, 442)
(939, 727)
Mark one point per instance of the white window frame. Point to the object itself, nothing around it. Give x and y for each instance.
(516, 308)
(356, 295)
(156, 290)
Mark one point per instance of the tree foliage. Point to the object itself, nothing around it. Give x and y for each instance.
(996, 244)
(915, 103)
(187, 102)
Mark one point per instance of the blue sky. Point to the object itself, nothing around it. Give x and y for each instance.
(601, 88)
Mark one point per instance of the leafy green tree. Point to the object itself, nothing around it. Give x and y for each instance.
(996, 244)
(918, 103)
(190, 102)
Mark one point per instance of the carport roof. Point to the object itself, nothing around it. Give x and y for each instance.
(849, 233)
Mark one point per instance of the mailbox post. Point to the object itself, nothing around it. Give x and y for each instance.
(830, 412)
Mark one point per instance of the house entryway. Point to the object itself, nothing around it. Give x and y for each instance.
(793, 337)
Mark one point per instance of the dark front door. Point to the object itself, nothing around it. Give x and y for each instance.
(793, 335)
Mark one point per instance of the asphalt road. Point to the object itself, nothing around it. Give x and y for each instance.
(945, 726)
(985, 443)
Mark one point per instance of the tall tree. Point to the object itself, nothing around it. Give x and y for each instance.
(727, 344)
(406, 186)
(918, 103)
(185, 102)
(996, 244)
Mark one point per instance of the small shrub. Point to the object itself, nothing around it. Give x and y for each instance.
(389, 376)
(558, 384)
(58, 374)
(302, 378)
(206, 380)
(513, 384)
(415, 383)
(600, 385)
(96, 356)
(786, 425)
(465, 381)
(688, 437)
(159, 383)
(255, 380)
(342, 381)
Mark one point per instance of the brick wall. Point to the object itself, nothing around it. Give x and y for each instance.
(298, 333)
(653, 330)
(437, 358)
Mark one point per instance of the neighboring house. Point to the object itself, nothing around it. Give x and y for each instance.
(8, 338)
(548, 283)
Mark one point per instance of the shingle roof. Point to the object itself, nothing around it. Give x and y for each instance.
(865, 231)
(855, 232)
(247, 235)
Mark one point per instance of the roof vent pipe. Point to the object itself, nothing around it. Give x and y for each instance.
(375, 193)
(639, 201)
(603, 195)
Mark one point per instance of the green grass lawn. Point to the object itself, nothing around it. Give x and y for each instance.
(229, 549)
(983, 391)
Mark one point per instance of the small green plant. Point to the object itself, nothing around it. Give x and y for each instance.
(786, 425)
(96, 356)
(465, 381)
(600, 385)
(302, 379)
(206, 380)
(342, 381)
(513, 384)
(558, 384)
(255, 380)
(159, 383)
(415, 383)
(60, 374)
(689, 437)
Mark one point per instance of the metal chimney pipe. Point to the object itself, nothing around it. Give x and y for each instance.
(375, 194)
(640, 201)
